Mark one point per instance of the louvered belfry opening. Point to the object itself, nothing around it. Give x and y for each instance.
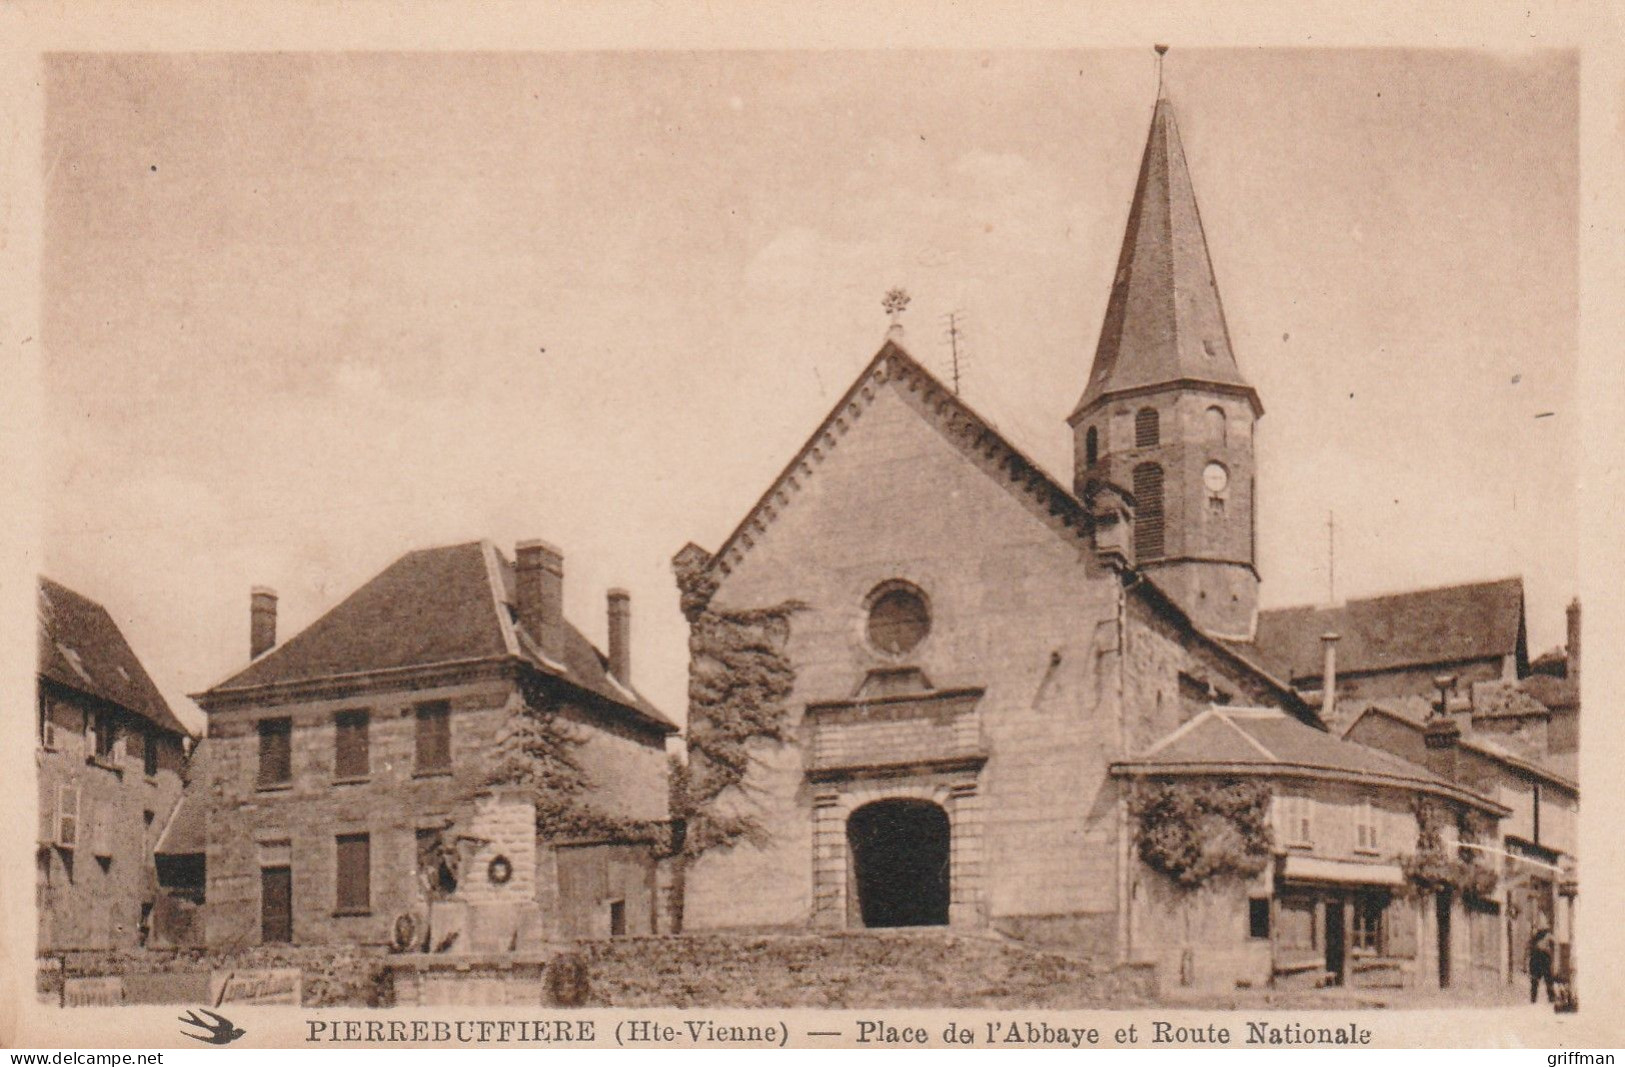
(1147, 428)
(1148, 514)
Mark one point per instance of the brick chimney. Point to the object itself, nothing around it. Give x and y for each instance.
(620, 635)
(1328, 678)
(539, 579)
(1574, 641)
(261, 621)
(1442, 733)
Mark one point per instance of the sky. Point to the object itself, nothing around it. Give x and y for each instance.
(305, 313)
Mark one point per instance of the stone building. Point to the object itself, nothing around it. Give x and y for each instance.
(930, 684)
(109, 754)
(1538, 858)
(356, 786)
(1396, 645)
(1340, 898)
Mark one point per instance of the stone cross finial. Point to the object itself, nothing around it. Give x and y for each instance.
(896, 302)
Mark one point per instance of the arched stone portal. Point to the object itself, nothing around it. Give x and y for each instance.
(900, 862)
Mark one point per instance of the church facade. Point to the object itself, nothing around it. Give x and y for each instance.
(977, 671)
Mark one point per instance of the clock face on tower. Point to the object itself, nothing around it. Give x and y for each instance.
(1215, 477)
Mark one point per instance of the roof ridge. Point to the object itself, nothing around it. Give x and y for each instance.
(1255, 742)
(1394, 594)
(493, 574)
(1188, 726)
(857, 397)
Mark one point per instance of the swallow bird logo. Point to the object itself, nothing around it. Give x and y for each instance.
(220, 1032)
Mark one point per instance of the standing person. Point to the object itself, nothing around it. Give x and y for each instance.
(1540, 962)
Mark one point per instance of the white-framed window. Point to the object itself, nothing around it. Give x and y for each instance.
(67, 816)
(47, 728)
(1295, 819)
(1365, 826)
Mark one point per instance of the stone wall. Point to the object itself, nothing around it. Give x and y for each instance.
(297, 823)
(1018, 608)
(861, 969)
(91, 896)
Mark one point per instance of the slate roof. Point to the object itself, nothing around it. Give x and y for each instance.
(1553, 770)
(1164, 322)
(82, 648)
(433, 606)
(1461, 622)
(1267, 741)
(184, 832)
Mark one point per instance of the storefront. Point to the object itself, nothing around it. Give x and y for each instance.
(1340, 922)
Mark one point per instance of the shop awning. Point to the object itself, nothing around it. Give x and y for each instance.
(1340, 872)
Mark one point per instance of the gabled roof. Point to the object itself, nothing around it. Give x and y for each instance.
(984, 445)
(82, 648)
(1479, 620)
(1226, 740)
(1470, 742)
(892, 366)
(1164, 322)
(432, 607)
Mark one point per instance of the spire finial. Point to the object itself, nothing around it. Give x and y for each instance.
(1162, 50)
(895, 303)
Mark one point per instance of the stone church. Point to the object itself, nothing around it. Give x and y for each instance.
(976, 663)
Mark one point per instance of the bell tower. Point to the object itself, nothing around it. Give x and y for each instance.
(1167, 414)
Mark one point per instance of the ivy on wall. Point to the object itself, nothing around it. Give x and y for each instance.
(1433, 868)
(1196, 832)
(739, 682)
(536, 751)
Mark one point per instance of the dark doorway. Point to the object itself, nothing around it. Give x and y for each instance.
(900, 862)
(1336, 943)
(1441, 908)
(276, 904)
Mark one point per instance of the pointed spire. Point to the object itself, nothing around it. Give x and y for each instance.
(1164, 322)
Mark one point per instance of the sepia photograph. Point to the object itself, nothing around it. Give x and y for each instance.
(633, 546)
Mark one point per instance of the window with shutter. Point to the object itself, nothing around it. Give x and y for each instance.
(433, 738)
(354, 873)
(1365, 827)
(1295, 819)
(106, 734)
(1148, 515)
(276, 752)
(67, 816)
(351, 755)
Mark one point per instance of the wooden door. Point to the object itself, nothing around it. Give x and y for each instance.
(276, 904)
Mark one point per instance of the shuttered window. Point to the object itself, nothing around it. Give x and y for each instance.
(350, 752)
(1148, 516)
(1147, 428)
(354, 873)
(433, 737)
(106, 736)
(1365, 827)
(1295, 820)
(276, 752)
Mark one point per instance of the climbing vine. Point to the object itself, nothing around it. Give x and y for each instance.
(536, 751)
(1196, 832)
(1433, 868)
(739, 682)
